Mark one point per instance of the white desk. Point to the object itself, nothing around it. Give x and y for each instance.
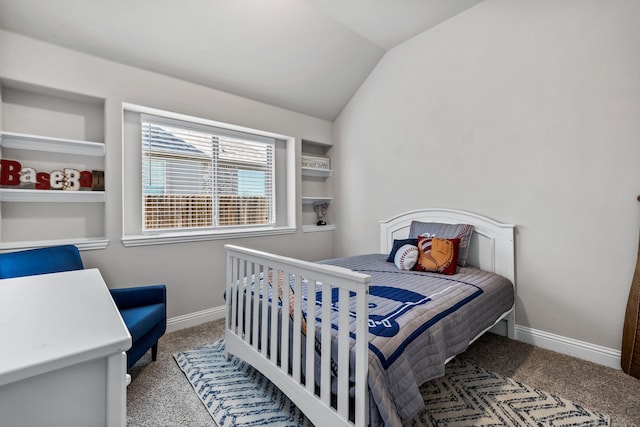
(62, 344)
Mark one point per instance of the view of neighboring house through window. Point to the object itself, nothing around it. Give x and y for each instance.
(203, 177)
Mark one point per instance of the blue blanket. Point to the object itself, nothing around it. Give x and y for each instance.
(417, 321)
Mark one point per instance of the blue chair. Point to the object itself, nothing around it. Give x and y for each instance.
(143, 308)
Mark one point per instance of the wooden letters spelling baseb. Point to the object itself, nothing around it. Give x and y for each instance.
(12, 174)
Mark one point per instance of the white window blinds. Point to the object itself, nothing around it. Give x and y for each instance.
(196, 176)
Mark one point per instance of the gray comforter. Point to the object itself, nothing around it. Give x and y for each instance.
(417, 321)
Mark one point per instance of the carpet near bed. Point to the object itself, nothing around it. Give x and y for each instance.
(235, 395)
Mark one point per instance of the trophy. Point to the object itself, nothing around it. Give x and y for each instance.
(321, 212)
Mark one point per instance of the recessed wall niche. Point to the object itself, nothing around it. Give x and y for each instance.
(315, 188)
(47, 130)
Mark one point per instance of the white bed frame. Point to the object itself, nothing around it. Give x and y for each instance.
(492, 249)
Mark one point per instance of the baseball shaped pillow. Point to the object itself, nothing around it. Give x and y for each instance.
(406, 257)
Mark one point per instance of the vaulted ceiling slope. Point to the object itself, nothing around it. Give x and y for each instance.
(308, 56)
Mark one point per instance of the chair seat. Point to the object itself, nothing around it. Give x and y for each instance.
(140, 320)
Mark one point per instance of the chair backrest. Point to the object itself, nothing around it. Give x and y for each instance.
(30, 262)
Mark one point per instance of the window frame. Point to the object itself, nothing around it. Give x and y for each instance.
(284, 186)
(218, 167)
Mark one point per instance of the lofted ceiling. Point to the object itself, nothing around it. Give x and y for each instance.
(309, 56)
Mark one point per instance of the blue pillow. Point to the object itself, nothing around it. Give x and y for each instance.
(397, 244)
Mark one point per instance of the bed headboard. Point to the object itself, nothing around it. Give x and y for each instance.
(492, 243)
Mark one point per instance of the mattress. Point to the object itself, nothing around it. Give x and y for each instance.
(418, 321)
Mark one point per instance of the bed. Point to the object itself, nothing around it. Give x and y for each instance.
(414, 321)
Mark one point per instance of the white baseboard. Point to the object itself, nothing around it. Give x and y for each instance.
(580, 349)
(195, 319)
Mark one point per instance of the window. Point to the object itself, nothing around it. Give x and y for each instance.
(196, 176)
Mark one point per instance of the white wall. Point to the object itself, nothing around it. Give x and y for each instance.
(193, 272)
(524, 111)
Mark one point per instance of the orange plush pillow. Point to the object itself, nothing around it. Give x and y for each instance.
(437, 255)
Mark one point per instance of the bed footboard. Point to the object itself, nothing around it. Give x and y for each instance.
(328, 353)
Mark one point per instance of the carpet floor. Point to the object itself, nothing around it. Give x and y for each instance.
(160, 394)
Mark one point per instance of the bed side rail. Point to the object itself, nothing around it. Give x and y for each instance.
(266, 340)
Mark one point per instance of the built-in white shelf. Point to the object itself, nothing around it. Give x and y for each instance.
(50, 144)
(316, 228)
(83, 244)
(64, 216)
(316, 172)
(315, 167)
(61, 196)
(312, 200)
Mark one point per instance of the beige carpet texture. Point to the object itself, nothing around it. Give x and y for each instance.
(160, 395)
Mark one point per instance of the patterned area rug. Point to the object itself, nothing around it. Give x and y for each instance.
(235, 394)
(470, 396)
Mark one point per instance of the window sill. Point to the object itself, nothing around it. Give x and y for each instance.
(167, 238)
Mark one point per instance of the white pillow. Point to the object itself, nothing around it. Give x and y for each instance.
(406, 257)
